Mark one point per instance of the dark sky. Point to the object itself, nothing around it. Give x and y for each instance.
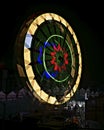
(85, 18)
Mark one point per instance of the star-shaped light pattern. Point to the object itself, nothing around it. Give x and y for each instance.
(61, 60)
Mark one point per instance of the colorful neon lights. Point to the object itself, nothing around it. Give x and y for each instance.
(55, 62)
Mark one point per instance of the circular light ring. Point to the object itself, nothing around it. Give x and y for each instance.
(62, 80)
(32, 83)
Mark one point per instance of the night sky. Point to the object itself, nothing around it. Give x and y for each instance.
(85, 18)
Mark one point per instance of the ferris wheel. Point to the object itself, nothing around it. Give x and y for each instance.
(48, 56)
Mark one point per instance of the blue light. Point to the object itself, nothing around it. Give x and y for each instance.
(47, 44)
(40, 55)
(53, 74)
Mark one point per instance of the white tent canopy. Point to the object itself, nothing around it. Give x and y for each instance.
(21, 93)
(11, 96)
(2, 96)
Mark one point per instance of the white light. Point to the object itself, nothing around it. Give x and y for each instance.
(28, 40)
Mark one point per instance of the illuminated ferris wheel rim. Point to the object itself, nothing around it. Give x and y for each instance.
(38, 92)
